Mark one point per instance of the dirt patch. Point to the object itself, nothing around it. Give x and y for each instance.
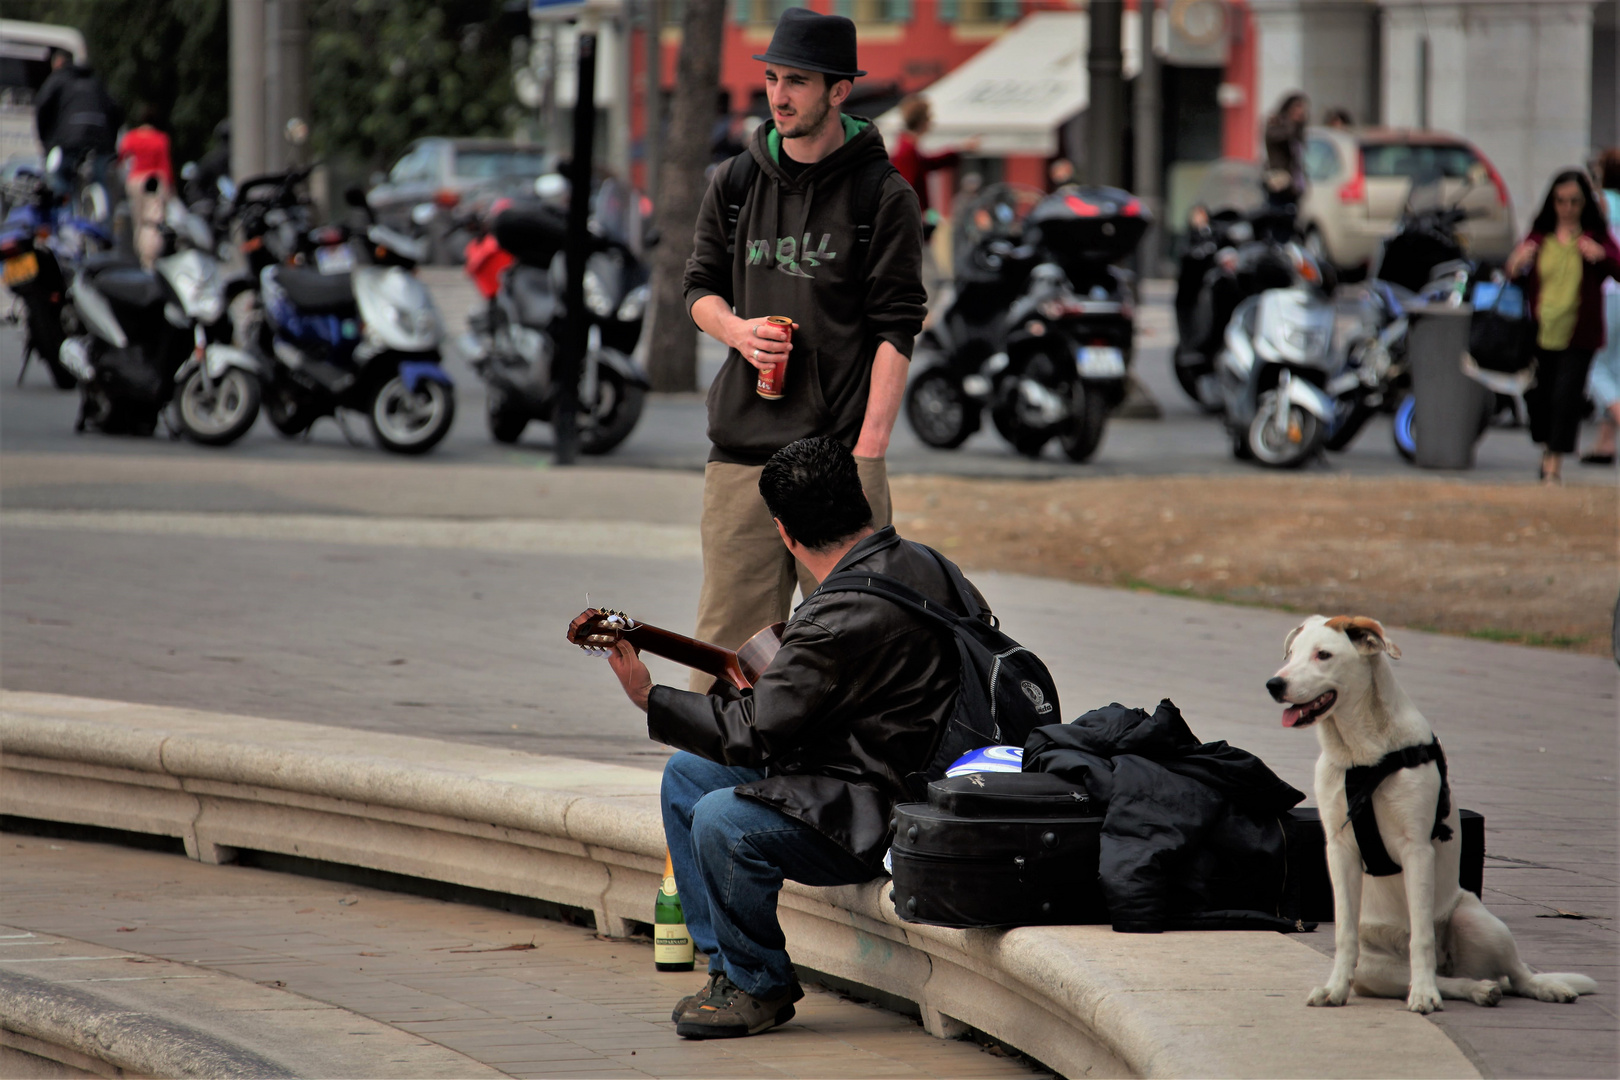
(1507, 562)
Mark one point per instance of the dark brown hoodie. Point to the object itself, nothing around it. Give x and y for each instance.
(796, 255)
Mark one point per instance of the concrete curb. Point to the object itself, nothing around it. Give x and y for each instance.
(1081, 999)
(185, 1020)
(88, 1024)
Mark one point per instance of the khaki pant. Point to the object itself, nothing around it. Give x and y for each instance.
(748, 575)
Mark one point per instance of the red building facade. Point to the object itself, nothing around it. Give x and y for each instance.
(906, 45)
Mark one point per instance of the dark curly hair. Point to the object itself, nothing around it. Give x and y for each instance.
(813, 488)
(1591, 213)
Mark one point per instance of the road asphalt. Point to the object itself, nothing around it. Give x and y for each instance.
(330, 584)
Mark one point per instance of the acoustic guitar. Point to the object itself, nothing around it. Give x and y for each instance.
(598, 631)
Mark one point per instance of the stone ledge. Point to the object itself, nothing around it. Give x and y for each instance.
(1081, 999)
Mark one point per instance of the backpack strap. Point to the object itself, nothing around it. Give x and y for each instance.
(740, 173)
(893, 590)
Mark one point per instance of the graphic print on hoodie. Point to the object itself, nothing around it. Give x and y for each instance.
(796, 255)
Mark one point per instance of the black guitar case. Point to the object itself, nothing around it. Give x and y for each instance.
(998, 849)
(1308, 892)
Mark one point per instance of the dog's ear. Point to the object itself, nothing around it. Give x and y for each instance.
(1366, 634)
(1288, 642)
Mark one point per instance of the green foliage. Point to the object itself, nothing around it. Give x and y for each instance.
(384, 72)
(170, 54)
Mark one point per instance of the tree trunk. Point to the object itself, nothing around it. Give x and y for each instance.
(672, 352)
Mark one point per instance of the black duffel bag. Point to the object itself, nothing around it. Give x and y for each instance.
(1501, 334)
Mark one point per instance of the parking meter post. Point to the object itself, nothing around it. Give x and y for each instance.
(571, 357)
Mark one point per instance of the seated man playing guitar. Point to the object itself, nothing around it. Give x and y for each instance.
(797, 779)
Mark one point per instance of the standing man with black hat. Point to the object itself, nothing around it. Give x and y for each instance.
(813, 223)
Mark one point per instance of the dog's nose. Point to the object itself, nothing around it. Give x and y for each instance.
(1277, 686)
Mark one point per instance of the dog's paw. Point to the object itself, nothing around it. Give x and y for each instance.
(1543, 988)
(1424, 1001)
(1486, 992)
(1322, 995)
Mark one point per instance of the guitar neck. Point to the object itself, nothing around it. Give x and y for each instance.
(700, 655)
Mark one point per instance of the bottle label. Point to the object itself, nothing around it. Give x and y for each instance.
(668, 886)
(671, 944)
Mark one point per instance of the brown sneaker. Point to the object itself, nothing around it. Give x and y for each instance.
(698, 998)
(731, 1012)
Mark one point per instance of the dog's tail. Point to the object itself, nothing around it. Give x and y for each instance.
(1581, 984)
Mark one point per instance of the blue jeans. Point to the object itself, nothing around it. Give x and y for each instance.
(731, 854)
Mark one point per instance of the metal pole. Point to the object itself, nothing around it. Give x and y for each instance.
(1105, 126)
(247, 88)
(571, 356)
(653, 140)
(1148, 134)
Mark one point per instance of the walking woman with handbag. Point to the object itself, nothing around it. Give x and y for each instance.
(1564, 261)
(1603, 384)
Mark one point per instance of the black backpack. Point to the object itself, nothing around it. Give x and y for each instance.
(1006, 691)
(869, 178)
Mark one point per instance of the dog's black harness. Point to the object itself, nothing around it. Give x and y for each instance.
(1362, 780)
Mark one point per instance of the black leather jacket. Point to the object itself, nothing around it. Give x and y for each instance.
(845, 712)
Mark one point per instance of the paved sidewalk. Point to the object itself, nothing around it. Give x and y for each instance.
(573, 1005)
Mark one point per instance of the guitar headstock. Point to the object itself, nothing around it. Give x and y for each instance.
(598, 631)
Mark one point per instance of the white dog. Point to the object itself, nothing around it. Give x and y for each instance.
(1338, 677)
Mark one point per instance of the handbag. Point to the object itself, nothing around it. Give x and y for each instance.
(1501, 334)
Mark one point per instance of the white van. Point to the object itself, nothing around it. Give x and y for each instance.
(25, 61)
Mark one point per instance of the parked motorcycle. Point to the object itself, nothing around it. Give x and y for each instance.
(1041, 330)
(1276, 363)
(161, 337)
(350, 335)
(513, 344)
(41, 243)
(1226, 260)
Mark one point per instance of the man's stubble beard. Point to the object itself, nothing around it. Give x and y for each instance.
(808, 127)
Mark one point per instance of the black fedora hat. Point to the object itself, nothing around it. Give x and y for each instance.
(824, 43)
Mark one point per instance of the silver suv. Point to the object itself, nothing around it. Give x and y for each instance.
(1360, 179)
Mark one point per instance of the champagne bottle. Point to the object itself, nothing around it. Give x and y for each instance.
(672, 945)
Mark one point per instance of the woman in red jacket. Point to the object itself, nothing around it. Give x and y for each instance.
(1565, 260)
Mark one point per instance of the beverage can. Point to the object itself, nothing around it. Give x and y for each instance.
(773, 373)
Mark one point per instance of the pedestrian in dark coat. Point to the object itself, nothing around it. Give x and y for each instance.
(1564, 261)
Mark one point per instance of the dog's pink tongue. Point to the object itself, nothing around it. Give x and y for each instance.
(1291, 715)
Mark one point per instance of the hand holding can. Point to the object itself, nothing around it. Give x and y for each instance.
(773, 372)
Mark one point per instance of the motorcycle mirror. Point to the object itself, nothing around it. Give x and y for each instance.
(297, 132)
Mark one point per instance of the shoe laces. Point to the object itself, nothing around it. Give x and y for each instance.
(723, 993)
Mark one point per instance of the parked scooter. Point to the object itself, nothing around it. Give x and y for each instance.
(42, 242)
(513, 344)
(159, 337)
(1041, 329)
(1227, 260)
(361, 337)
(1275, 366)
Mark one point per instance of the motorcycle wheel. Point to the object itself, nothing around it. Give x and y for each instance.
(1082, 435)
(221, 414)
(1291, 448)
(506, 422)
(411, 422)
(286, 417)
(938, 411)
(609, 420)
(1198, 383)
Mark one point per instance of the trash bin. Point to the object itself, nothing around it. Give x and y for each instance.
(1449, 408)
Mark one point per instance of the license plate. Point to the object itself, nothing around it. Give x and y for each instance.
(21, 269)
(334, 259)
(1101, 362)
